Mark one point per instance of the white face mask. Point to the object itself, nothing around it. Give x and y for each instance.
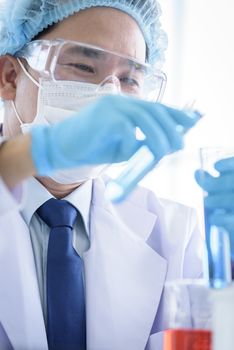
(58, 100)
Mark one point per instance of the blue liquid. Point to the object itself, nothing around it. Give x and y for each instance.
(138, 166)
(219, 254)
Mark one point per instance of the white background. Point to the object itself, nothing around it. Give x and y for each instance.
(199, 66)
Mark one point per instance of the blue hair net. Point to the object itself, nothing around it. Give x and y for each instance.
(22, 20)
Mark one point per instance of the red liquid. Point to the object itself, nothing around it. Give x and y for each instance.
(187, 339)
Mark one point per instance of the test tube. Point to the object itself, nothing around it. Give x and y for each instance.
(217, 266)
(136, 168)
(219, 256)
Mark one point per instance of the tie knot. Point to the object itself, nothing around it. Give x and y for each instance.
(57, 212)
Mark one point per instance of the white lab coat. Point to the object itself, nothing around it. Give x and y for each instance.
(135, 247)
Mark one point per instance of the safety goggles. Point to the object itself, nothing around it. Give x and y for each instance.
(62, 60)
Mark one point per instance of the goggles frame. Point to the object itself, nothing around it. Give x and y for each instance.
(42, 56)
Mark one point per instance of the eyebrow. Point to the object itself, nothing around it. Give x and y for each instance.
(87, 52)
(94, 53)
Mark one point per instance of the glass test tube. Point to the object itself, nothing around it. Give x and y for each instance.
(218, 261)
(219, 255)
(136, 168)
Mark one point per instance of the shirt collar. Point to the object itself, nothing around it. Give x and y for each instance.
(38, 195)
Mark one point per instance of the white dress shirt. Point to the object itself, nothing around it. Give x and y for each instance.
(39, 231)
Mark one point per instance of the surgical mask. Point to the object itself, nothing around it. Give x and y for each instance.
(58, 100)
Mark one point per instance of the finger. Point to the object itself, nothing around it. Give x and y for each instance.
(156, 138)
(187, 119)
(112, 142)
(220, 201)
(204, 179)
(169, 126)
(225, 220)
(161, 118)
(224, 165)
(146, 118)
(222, 183)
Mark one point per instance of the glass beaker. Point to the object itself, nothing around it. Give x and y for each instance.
(218, 267)
(188, 315)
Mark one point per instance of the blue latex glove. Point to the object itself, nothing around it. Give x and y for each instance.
(104, 132)
(220, 195)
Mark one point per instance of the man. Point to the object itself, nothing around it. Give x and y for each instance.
(97, 281)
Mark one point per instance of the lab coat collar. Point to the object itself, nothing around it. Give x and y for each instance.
(39, 196)
(79, 198)
(20, 306)
(132, 210)
(124, 277)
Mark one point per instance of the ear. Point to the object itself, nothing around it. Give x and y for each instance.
(9, 71)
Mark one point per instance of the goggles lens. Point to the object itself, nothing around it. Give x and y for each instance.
(73, 61)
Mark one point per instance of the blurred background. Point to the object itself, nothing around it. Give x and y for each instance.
(199, 67)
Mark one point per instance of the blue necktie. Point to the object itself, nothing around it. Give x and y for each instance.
(66, 323)
(5, 343)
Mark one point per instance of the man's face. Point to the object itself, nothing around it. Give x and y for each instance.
(107, 28)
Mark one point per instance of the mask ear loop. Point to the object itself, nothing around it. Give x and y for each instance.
(16, 112)
(28, 74)
(32, 79)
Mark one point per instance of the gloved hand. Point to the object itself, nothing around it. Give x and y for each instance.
(220, 195)
(104, 132)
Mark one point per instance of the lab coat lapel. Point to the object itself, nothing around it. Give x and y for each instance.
(124, 280)
(20, 308)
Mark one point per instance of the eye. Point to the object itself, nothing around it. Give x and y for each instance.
(81, 67)
(130, 82)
